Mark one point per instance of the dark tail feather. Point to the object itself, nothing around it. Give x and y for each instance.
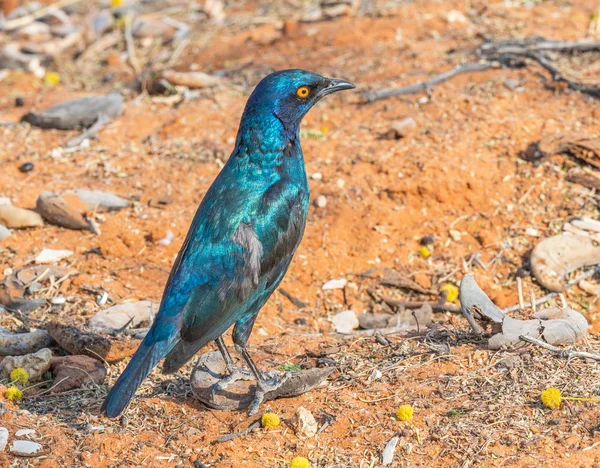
(181, 353)
(143, 361)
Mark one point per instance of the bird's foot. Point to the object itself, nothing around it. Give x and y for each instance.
(268, 383)
(235, 374)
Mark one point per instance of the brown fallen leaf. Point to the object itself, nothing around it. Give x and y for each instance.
(584, 147)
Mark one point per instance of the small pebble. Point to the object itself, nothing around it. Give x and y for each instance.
(19, 102)
(300, 321)
(101, 300)
(321, 201)
(345, 322)
(60, 300)
(3, 438)
(427, 240)
(4, 232)
(24, 432)
(317, 176)
(335, 284)
(25, 448)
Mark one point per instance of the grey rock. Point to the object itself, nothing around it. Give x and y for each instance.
(78, 113)
(101, 201)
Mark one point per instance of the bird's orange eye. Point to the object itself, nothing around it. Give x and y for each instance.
(303, 92)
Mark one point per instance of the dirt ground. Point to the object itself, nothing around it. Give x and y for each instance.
(459, 170)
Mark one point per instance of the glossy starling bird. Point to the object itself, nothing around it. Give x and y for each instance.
(240, 243)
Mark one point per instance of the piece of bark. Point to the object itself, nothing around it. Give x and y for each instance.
(57, 211)
(77, 341)
(555, 257)
(78, 113)
(239, 395)
(13, 344)
(13, 302)
(554, 326)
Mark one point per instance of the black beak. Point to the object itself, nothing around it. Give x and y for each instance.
(334, 86)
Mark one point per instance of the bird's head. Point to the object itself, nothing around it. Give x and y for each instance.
(289, 95)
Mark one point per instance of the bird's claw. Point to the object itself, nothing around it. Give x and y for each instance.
(235, 374)
(269, 382)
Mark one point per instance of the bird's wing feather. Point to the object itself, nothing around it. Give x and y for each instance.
(262, 250)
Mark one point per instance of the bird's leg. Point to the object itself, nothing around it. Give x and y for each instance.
(235, 373)
(265, 382)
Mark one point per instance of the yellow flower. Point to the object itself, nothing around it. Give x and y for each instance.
(300, 462)
(116, 3)
(551, 397)
(424, 251)
(451, 292)
(404, 413)
(13, 393)
(51, 79)
(19, 375)
(270, 420)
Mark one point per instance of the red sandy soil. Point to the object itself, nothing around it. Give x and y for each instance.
(460, 169)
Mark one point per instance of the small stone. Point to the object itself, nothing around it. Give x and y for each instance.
(427, 240)
(19, 218)
(60, 300)
(51, 256)
(116, 317)
(3, 438)
(4, 232)
(100, 201)
(25, 448)
(304, 423)
(369, 321)
(511, 84)
(317, 176)
(455, 234)
(345, 322)
(36, 364)
(455, 16)
(19, 102)
(533, 232)
(387, 456)
(57, 211)
(321, 201)
(75, 372)
(509, 362)
(26, 167)
(24, 432)
(403, 128)
(335, 284)
(191, 79)
(168, 239)
(340, 183)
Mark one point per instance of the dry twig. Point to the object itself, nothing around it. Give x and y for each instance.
(565, 353)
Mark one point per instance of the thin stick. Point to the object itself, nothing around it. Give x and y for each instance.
(558, 76)
(565, 353)
(436, 307)
(378, 94)
(132, 58)
(549, 297)
(563, 301)
(533, 306)
(520, 291)
(30, 18)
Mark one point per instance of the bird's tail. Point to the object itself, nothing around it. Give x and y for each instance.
(143, 361)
